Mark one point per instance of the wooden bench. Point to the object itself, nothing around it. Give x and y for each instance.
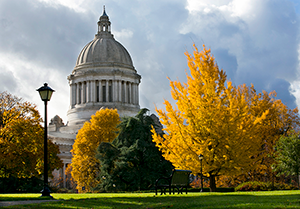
(179, 180)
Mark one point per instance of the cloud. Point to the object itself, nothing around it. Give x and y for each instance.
(261, 38)
(39, 43)
(254, 41)
(7, 80)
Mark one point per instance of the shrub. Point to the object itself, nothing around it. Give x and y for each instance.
(263, 186)
(20, 185)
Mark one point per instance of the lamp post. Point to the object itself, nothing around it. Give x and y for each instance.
(45, 93)
(201, 175)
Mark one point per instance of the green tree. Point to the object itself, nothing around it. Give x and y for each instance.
(22, 140)
(131, 161)
(85, 166)
(287, 155)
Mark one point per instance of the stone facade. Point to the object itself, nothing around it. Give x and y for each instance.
(104, 76)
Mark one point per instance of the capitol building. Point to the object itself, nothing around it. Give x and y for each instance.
(104, 76)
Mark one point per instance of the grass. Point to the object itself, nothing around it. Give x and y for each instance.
(236, 200)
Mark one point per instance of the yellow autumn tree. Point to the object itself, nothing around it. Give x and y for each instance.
(22, 140)
(212, 117)
(279, 121)
(85, 166)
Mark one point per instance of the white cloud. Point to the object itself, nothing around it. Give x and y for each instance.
(124, 33)
(72, 4)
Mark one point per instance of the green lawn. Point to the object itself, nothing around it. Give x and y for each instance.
(273, 199)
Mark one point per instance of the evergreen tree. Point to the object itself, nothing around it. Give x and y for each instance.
(131, 161)
(287, 155)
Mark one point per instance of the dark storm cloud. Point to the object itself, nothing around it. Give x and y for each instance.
(282, 88)
(40, 43)
(258, 47)
(35, 32)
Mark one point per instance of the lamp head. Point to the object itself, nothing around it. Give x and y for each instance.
(45, 92)
(200, 157)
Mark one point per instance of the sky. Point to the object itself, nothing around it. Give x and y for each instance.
(254, 41)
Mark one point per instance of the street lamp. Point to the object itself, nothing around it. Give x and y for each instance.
(201, 175)
(45, 93)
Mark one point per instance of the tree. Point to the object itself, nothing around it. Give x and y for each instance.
(279, 121)
(213, 118)
(85, 166)
(22, 140)
(287, 155)
(132, 161)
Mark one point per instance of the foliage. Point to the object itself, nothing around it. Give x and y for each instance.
(20, 185)
(263, 186)
(132, 161)
(85, 166)
(22, 140)
(279, 121)
(287, 155)
(230, 126)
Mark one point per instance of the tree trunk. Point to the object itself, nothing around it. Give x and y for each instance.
(212, 183)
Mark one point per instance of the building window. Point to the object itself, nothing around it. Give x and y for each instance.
(97, 92)
(104, 93)
(84, 92)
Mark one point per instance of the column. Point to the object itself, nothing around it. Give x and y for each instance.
(137, 94)
(83, 100)
(125, 92)
(133, 92)
(72, 95)
(120, 91)
(88, 93)
(115, 90)
(107, 92)
(93, 90)
(77, 93)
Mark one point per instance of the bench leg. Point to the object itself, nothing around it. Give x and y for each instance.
(163, 190)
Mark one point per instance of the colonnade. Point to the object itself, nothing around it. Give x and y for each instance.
(101, 91)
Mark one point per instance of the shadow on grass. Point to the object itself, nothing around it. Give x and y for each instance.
(7, 198)
(178, 201)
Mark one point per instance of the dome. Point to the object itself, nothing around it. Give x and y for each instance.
(104, 49)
